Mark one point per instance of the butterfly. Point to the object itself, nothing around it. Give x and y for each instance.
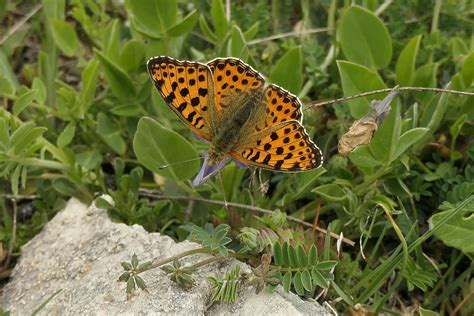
(229, 105)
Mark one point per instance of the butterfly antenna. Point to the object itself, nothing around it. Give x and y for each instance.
(221, 180)
(179, 162)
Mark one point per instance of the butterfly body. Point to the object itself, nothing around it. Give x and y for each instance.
(228, 104)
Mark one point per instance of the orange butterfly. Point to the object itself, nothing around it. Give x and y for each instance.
(228, 104)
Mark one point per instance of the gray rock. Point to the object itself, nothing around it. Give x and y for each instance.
(79, 253)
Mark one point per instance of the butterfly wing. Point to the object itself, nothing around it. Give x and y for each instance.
(232, 76)
(280, 106)
(187, 88)
(283, 147)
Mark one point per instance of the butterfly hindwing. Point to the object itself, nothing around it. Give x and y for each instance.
(184, 86)
(232, 76)
(285, 147)
(280, 106)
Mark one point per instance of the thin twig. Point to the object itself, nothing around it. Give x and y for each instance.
(11, 244)
(324, 103)
(461, 304)
(19, 24)
(282, 35)
(154, 195)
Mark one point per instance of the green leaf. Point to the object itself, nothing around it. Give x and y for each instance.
(292, 256)
(426, 312)
(458, 232)
(66, 135)
(237, 46)
(301, 256)
(6, 70)
(133, 55)
(4, 134)
(385, 141)
(425, 76)
(252, 31)
(306, 280)
(206, 30)
(287, 281)
(405, 67)
(364, 38)
(155, 146)
(65, 36)
(219, 19)
(312, 255)
(363, 157)
(104, 204)
(457, 47)
(277, 254)
(23, 101)
(298, 283)
(288, 72)
(25, 135)
(185, 25)
(110, 133)
(326, 265)
(89, 83)
(319, 279)
(111, 41)
(152, 17)
(331, 192)
(7, 88)
(407, 139)
(89, 159)
(433, 113)
(121, 85)
(40, 88)
(467, 70)
(285, 256)
(132, 110)
(357, 79)
(15, 179)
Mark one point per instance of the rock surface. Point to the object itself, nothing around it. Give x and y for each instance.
(79, 253)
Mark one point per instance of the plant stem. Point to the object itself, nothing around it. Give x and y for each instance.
(157, 264)
(47, 164)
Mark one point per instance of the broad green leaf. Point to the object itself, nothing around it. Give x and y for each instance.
(4, 134)
(65, 36)
(467, 70)
(384, 143)
(110, 133)
(458, 232)
(53, 9)
(89, 83)
(6, 70)
(426, 312)
(66, 135)
(237, 46)
(326, 265)
(126, 110)
(155, 146)
(23, 101)
(425, 76)
(357, 79)
(288, 72)
(152, 17)
(363, 157)
(219, 19)
(284, 252)
(89, 159)
(298, 283)
(15, 179)
(408, 139)
(185, 25)
(405, 67)
(364, 38)
(133, 55)
(25, 135)
(65, 187)
(331, 192)
(457, 47)
(40, 88)
(121, 85)
(7, 88)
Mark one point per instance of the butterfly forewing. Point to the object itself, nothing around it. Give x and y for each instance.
(232, 76)
(286, 147)
(185, 87)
